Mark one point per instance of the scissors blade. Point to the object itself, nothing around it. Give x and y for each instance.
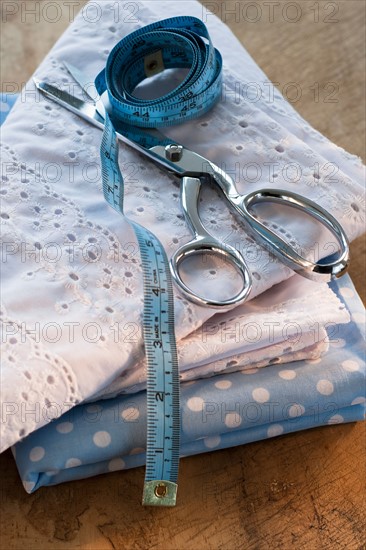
(189, 163)
(86, 83)
(86, 110)
(89, 112)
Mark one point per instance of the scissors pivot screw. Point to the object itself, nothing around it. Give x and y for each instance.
(174, 152)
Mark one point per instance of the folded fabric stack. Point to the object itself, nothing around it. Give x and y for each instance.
(222, 411)
(72, 281)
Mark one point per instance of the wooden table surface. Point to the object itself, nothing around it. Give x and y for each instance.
(304, 490)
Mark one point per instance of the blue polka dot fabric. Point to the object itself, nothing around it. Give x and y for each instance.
(218, 412)
(6, 103)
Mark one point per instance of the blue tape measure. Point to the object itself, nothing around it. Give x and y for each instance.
(179, 42)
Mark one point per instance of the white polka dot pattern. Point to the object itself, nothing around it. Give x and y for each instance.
(36, 454)
(72, 463)
(64, 427)
(261, 395)
(212, 442)
(275, 429)
(347, 292)
(350, 365)
(195, 404)
(287, 374)
(336, 419)
(296, 410)
(223, 384)
(130, 414)
(116, 464)
(325, 387)
(4, 107)
(233, 420)
(359, 400)
(102, 439)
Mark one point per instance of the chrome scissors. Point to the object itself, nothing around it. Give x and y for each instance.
(194, 171)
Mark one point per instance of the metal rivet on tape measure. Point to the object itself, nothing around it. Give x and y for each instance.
(154, 63)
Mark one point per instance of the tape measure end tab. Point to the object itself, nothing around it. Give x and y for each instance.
(159, 493)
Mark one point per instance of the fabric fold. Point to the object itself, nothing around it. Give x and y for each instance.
(286, 323)
(223, 411)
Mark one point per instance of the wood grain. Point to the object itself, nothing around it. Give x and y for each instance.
(304, 490)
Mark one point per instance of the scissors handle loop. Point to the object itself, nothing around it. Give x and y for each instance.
(204, 243)
(320, 270)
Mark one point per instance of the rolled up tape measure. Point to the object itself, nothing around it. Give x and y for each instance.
(178, 42)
